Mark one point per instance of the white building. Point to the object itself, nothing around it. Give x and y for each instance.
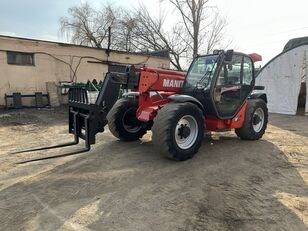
(285, 79)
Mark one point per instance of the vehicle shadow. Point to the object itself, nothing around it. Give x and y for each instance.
(229, 185)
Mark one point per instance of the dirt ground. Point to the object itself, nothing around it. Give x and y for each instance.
(229, 185)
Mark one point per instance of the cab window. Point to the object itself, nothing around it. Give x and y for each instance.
(231, 72)
(247, 71)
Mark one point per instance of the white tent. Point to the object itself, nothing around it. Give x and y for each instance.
(282, 77)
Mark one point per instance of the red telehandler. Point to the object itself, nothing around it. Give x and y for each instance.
(216, 94)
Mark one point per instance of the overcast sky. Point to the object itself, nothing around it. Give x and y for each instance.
(262, 26)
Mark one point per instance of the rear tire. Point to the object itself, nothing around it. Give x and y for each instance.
(178, 130)
(122, 121)
(255, 123)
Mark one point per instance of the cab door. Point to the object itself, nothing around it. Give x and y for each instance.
(234, 83)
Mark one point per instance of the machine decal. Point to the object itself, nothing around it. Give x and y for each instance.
(173, 83)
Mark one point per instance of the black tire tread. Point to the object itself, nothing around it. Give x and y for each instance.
(114, 118)
(163, 131)
(246, 132)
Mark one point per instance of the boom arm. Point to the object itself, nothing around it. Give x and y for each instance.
(155, 79)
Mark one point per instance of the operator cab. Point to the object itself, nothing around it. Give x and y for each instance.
(221, 82)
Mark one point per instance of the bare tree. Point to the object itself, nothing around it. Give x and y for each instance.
(87, 26)
(215, 33)
(124, 36)
(192, 13)
(204, 26)
(148, 34)
(200, 28)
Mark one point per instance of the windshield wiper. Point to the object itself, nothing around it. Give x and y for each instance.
(207, 75)
(209, 72)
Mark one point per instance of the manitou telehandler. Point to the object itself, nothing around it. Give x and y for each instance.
(216, 94)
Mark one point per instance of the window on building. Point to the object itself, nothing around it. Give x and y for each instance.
(20, 58)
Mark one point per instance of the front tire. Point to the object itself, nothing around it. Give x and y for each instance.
(255, 123)
(122, 121)
(178, 130)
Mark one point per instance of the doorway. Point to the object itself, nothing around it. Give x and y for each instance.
(302, 97)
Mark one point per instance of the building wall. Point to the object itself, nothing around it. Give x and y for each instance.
(30, 79)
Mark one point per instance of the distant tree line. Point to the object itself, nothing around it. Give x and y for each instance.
(200, 28)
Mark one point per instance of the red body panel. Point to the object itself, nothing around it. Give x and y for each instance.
(156, 85)
(255, 57)
(150, 103)
(212, 123)
(155, 79)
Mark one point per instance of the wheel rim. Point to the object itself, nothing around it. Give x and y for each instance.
(186, 132)
(130, 122)
(258, 120)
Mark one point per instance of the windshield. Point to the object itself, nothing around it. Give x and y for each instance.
(201, 72)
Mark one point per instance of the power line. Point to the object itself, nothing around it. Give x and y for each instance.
(287, 31)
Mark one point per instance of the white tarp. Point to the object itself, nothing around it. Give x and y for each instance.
(282, 78)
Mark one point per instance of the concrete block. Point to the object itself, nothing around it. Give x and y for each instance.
(52, 90)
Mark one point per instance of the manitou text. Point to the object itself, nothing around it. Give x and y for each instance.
(173, 83)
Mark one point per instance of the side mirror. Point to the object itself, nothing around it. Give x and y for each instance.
(228, 55)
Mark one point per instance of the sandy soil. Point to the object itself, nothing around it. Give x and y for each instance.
(229, 185)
